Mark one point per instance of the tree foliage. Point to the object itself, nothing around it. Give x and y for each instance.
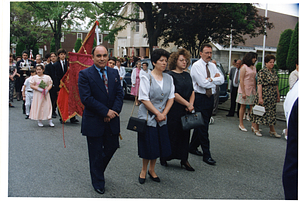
(59, 16)
(283, 48)
(78, 44)
(25, 30)
(191, 24)
(153, 15)
(293, 50)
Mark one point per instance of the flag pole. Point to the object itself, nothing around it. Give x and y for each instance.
(265, 35)
(97, 32)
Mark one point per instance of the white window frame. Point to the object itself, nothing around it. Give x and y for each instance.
(79, 35)
(62, 39)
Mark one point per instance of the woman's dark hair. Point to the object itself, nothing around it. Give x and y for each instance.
(174, 57)
(39, 65)
(268, 58)
(156, 54)
(248, 58)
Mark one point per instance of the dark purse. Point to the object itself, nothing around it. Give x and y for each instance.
(193, 120)
(136, 124)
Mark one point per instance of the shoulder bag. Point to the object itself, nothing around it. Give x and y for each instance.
(136, 124)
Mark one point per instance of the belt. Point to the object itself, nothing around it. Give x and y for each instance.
(29, 91)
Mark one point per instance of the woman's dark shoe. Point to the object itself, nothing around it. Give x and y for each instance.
(141, 180)
(163, 162)
(156, 179)
(187, 166)
(10, 105)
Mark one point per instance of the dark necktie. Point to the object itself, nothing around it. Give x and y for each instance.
(208, 91)
(237, 76)
(104, 79)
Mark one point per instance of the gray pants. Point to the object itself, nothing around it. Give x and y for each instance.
(28, 101)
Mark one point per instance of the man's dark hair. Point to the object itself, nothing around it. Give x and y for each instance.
(205, 45)
(145, 63)
(47, 55)
(112, 58)
(61, 50)
(25, 52)
(156, 54)
(248, 58)
(93, 50)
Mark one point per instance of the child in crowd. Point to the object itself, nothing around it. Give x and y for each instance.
(27, 92)
(41, 104)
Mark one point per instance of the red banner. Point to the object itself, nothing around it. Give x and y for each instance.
(88, 42)
(68, 101)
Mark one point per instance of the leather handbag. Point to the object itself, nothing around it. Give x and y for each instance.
(193, 120)
(136, 124)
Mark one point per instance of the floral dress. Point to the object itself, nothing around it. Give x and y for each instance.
(269, 82)
(11, 82)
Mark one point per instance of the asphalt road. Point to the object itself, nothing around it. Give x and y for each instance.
(248, 167)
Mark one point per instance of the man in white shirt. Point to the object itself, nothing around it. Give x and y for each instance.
(205, 76)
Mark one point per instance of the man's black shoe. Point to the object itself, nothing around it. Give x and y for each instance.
(196, 152)
(229, 115)
(53, 116)
(74, 121)
(27, 117)
(100, 191)
(209, 161)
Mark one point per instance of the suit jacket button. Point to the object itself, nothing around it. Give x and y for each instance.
(161, 100)
(162, 94)
(159, 107)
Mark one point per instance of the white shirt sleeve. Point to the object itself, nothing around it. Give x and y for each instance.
(144, 88)
(172, 94)
(133, 76)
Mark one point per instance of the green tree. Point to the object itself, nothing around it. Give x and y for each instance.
(26, 30)
(191, 24)
(283, 48)
(58, 15)
(293, 50)
(78, 44)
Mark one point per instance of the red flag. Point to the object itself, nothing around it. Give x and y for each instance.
(88, 42)
(68, 101)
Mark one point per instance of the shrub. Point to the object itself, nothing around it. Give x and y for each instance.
(293, 50)
(283, 48)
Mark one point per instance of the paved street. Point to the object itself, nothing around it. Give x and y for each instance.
(248, 167)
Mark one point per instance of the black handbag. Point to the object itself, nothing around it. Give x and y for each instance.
(136, 124)
(193, 120)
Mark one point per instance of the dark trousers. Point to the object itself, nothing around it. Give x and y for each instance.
(204, 105)
(101, 149)
(233, 95)
(53, 97)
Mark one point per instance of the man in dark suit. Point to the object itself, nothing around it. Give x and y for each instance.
(102, 95)
(26, 63)
(50, 70)
(234, 77)
(61, 67)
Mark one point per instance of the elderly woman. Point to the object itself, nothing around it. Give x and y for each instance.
(183, 104)
(247, 86)
(267, 95)
(157, 96)
(135, 81)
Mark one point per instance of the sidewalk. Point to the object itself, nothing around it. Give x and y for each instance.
(279, 109)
